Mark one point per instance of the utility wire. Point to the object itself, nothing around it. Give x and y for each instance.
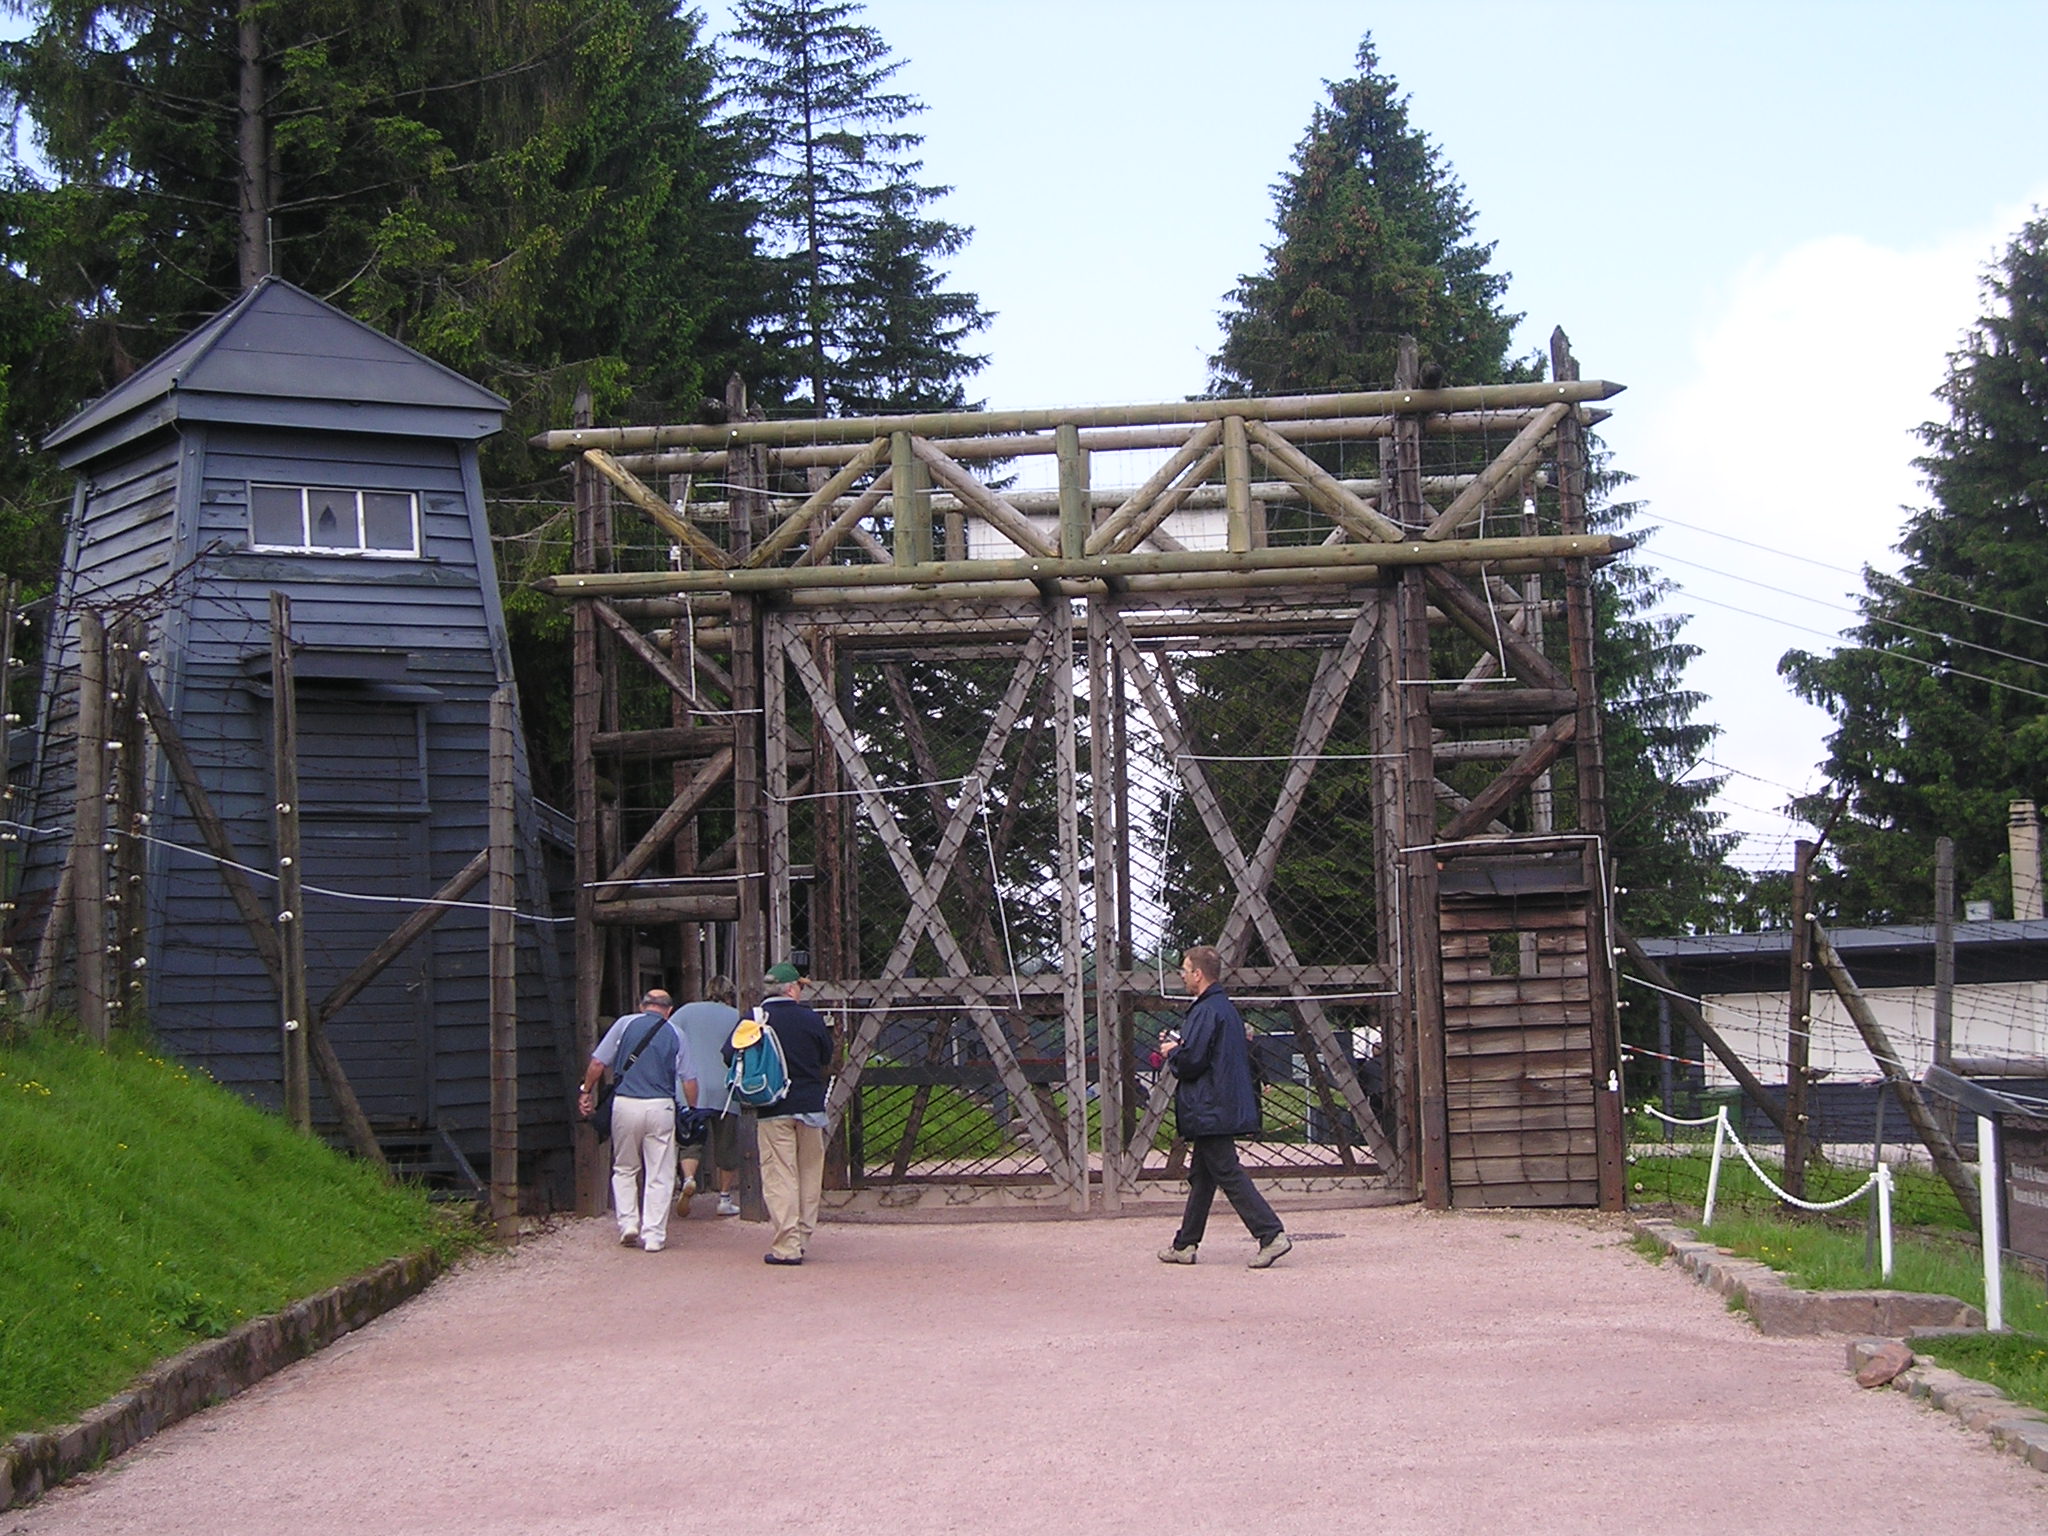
(1864, 574)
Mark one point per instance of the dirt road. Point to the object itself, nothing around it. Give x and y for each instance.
(1398, 1372)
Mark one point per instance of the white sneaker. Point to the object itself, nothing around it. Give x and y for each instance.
(727, 1206)
(629, 1239)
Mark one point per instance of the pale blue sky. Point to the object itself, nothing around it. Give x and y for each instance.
(1766, 219)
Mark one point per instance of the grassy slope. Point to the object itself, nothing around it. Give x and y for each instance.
(143, 1208)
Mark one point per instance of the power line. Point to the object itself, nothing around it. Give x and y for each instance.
(1862, 575)
(1932, 666)
(1821, 602)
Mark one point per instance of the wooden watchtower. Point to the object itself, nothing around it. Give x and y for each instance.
(288, 493)
(1313, 681)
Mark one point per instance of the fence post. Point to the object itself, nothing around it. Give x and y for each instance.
(291, 925)
(1799, 1020)
(89, 829)
(1714, 1167)
(504, 983)
(1994, 1239)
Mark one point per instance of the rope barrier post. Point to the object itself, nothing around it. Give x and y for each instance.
(1714, 1168)
(1994, 1240)
(1884, 1219)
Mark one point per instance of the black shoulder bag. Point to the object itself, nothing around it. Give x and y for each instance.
(601, 1111)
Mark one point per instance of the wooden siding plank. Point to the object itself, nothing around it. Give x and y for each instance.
(1526, 918)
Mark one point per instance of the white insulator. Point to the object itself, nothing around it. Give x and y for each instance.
(291, 1026)
(106, 847)
(284, 807)
(142, 656)
(285, 862)
(13, 719)
(284, 916)
(140, 963)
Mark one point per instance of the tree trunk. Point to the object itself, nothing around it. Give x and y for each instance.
(252, 233)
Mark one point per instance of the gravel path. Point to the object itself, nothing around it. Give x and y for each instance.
(1398, 1372)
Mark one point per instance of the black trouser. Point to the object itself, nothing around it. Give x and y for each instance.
(1213, 1165)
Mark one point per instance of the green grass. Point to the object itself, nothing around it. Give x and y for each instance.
(1920, 1197)
(144, 1208)
(2015, 1363)
(1826, 1257)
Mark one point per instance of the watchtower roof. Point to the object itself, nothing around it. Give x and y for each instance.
(278, 356)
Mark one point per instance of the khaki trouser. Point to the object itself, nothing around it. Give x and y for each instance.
(792, 1174)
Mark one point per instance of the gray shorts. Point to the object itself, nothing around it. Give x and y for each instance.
(725, 1142)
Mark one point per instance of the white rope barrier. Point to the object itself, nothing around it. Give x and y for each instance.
(1880, 1180)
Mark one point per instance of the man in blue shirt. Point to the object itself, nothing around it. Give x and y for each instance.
(648, 1056)
(1215, 1101)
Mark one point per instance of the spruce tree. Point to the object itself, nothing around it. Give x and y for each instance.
(864, 321)
(1374, 242)
(1940, 698)
(536, 194)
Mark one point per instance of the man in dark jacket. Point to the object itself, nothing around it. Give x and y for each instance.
(791, 1131)
(1214, 1103)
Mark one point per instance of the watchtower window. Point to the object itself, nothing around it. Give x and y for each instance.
(329, 520)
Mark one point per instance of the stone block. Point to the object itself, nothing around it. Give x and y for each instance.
(1882, 1364)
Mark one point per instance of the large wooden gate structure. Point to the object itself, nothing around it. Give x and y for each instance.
(1286, 675)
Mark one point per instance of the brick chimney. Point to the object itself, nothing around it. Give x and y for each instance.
(2023, 837)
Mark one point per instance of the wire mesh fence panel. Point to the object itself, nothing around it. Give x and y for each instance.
(1250, 825)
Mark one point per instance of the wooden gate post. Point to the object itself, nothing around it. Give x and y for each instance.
(504, 987)
(1591, 763)
(584, 689)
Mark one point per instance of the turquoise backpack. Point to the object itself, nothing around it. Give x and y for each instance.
(758, 1076)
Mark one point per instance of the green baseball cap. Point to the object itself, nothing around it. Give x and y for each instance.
(782, 975)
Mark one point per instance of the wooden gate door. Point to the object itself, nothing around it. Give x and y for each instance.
(1528, 1035)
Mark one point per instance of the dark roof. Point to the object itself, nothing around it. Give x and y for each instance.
(1898, 955)
(278, 356)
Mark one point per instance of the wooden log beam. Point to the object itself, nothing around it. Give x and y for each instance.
(652, 912)
(665, 742)
(1190, 453)
(686, 804)
(1501, 706)
(1503, 471)
(1367, 561)
(846, 522)
(1690, 1015)
(647, 651)
(1948, 1162)
(658, 511)
(999, 514)
(1469, 611)
(401, 938)
(1412, 402)
(1322, 488)
(793, 526)
(1329, 429)
(1147, 522)
(1513, 780)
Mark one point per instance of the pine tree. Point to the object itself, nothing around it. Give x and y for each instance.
(534, 193)
(864, 321)
(1940, 705)
(1374, 243)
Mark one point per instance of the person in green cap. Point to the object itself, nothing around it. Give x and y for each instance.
(791, 1131)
